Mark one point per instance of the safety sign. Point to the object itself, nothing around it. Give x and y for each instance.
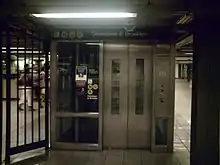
(90, 92)
(90, 86)
(95, 86)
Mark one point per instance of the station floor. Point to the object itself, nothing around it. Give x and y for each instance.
(113, 157)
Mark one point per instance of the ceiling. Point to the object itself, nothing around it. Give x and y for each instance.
(160, 16)
(151, 13)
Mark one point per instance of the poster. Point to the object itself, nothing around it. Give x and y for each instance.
(81, 76)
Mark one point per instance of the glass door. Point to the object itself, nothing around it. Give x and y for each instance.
(76, 114)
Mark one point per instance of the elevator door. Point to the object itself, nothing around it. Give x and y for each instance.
(128, 96)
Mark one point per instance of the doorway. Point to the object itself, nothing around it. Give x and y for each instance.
(75, 115)
(128, 78)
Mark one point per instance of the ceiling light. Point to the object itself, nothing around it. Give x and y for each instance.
(13, 48)
(92, 43)
(189, 53)
(86, 15)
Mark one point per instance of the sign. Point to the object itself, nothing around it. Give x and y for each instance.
(81, 73)
(89, 81)
(162, 73)
(90, 92)
(81, 76)
(95, 86)
(99, 34)
(92, 97)
(90, 86)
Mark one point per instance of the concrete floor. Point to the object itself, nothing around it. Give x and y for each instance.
(182, 113)
(110, 157)
(116, 157)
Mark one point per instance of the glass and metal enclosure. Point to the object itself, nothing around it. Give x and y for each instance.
(75, 95)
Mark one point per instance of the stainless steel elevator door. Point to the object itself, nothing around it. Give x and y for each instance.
(127, 96)
(139, 96)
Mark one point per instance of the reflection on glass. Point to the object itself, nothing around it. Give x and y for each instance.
(115, 87)
(161, 131)
(77, 130)
(66, 82)
(139, 87)
(70, 97)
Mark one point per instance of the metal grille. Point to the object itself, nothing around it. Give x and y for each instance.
(24, 83)
(1, 113)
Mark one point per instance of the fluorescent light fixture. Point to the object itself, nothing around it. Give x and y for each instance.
(92, 43)
(86, 15)
(14, 48)
(189, 53)
(28, 52)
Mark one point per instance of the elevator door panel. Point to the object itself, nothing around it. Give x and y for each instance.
(115, 85)
(128, 96)
(140, 95)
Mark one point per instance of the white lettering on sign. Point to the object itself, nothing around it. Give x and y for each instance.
(79, 35)
(136, 34)
(162, 73)
(68, 34)
(64, 35)
(72, 34)
(89, 81)
(56, 34)
(98, 34)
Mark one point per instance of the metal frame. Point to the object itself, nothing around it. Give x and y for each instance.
(1, 101)
(55, 114)
(170, 124)
(154, 148)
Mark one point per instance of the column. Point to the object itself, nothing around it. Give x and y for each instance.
(205, 89)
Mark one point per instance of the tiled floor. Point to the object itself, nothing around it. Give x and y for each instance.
(182, 113)
(119, 157)
(111, 157)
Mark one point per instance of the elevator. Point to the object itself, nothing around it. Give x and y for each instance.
(127, 95)
(112, 95)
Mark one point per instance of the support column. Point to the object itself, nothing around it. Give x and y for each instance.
(205, 89)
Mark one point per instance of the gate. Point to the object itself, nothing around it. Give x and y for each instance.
(25, 90)
(1, 116)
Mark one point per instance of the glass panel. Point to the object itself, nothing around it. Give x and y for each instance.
(72, 97)
(161, 131)
(77, 130)
(115, 88)
(139, 87)
(66, 83)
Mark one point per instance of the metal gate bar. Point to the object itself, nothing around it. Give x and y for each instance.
(32, 91)
(8, 94)
(1, 105)
(18, 119)
(47, 50)
(39, 113)
(31, 46)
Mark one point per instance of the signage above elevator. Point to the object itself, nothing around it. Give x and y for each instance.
(99, 34)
